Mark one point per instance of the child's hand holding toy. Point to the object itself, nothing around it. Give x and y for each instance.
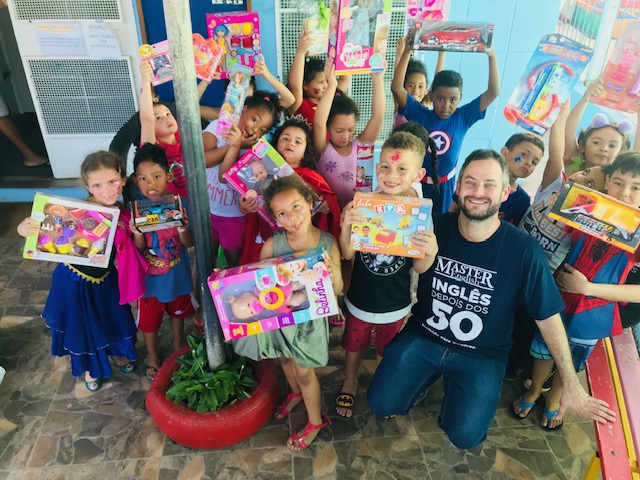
(29, 227)
(305, 41)
(330, 73)
(426, 242)
(594, 90)
(351, 216)
(146, 71)
(234, 137)
(249, 204)
(134, 230)
(185, 223)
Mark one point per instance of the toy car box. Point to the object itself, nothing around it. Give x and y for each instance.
(453, 36)
(238, 34)
(547, 82)
(419, 11)
(358, 35)
(71, 231)
(364, 167)
(151, 215)
(273, 294)
(254, 172)
(598, 215)
(391, 220)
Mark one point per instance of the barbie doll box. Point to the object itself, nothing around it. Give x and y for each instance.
(358, 35)
(151, 215)
(254, 172)
(272, 294)
(390, 222)
(598, 215)
(71, 231)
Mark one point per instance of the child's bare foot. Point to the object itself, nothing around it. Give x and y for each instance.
(523, 404)
(152, 367)
(346, 399)
(34, 160)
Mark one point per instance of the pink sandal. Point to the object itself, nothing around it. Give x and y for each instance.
(282, 408)
(299, 439)
(336, 320)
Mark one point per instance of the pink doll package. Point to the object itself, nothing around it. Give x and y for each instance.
(364, 167)
(238, 34)
(254, 172)
(621, 76)
(358, 35)
(234, 98)
(419, 11)
(158, 57)
(272, 294)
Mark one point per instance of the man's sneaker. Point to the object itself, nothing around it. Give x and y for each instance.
(546, 386)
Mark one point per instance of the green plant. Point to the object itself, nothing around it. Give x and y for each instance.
(204, 390)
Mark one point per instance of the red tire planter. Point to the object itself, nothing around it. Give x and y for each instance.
(222, 428)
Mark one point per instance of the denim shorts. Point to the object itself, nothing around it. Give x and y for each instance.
(580, 350)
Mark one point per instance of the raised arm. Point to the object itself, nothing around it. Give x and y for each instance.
(595, 89)
(296, 73)
(493, 89)
(147, 118)
(397, 84)
(440, 64)
(374, 125)
(553, 168)
(344, 83)
(636, 140)
(286, 97)
(323, 109)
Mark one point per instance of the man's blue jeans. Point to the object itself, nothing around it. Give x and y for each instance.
(472, 385)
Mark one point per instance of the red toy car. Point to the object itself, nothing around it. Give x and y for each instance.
(454, 36)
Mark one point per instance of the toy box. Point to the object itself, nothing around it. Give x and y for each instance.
(254, 172)
(364, 167)
(598, 215)
(238, 34)
(419, 11)
(234, 97)
(621, 76)
(158, 57)
(358, 35)
(79, 233)
(316, 23)
(453, 36)
(164, 212)
(546, 84)
(273, 294)
(390, 222)
(207, 54)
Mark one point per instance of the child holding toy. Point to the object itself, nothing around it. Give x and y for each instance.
(379, 295)
(259, 114)
(448, 121)
(523, 152)
(431, 158)
(168, 285)
(88, 309)
(303, 347)
(337, 115)
(293, 141)
(307, 80)
(601, 142)
(591, 283)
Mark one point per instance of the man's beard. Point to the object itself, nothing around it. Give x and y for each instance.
(490, 212)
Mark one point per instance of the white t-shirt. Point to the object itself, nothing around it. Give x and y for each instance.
(224, 201)
(549, 233)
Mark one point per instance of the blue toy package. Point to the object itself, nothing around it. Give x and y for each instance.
(550, 75)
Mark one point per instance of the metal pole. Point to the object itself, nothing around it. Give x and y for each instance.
(178, 21)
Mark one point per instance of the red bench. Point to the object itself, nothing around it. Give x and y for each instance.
(613, 372)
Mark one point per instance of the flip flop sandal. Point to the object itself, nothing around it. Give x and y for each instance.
(127, 367)
(523, 406)
(282, 408)
(347, 401)
(94, 385)
(550, 416)
(151, 372)
(298, 440)
(337, 320)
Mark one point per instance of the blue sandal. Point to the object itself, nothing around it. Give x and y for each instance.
(550, 416)
(93, 386)
(127, 367)
(523, 406)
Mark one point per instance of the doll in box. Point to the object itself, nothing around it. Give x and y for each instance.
(280, 299)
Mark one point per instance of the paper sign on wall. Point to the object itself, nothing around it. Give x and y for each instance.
(100, 40)
(60, 39)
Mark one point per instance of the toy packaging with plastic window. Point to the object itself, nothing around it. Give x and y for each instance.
(272, 294)
(254, 172)
(419, 11)
(621, 76)
(546, 84)
(599, 215)
(453, 36)
(158, 214)
(364, 167)
(158, 57)
(316, 23)
(234, 98)
(358, 35)
(207, 54)
(71, 231)
(391, 220)
(238, 34)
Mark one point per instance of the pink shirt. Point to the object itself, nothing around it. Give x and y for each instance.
(340, 171)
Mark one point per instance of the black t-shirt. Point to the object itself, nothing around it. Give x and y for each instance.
(467, 299)
(630, 312)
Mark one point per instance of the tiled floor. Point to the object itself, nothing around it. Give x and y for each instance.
(51, 427)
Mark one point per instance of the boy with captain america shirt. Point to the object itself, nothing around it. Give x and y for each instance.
(446, 123)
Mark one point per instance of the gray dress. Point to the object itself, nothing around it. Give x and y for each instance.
(306, 343)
